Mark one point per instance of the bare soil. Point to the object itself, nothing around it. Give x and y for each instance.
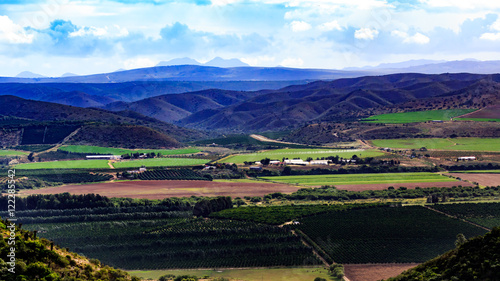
(374, 272)
(482, 179)
(169, 188)
(381, 186)
(487, 112)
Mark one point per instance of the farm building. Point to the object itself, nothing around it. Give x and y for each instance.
(106, 157)
(466, 158)
(296, 162)
(274, 162)
(256, 168)
(319, 162)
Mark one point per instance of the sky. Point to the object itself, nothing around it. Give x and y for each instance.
(54, 37)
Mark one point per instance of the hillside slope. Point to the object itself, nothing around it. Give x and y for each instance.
(39, 259)
(477, 259)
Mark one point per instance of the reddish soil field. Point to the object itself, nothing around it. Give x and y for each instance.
(487, 112)
(374, 272)
(169, 188)
(482, 179)
(381, 186)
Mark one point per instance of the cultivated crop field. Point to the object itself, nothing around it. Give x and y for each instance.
(120, 151)
(303, 154)
(70, 164)
(158, 189)
(418, 116)
(352, 179)
(159, 162)
(12, 153)
(485, 214)
(180, 242)
(384, 234)
(469, 144)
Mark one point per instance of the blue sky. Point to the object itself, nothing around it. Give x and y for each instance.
(53, 37)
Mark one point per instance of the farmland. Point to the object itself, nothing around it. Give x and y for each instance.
(157, 189)
(303, 154)
(87, 149)
(484, 214)
(482, 179)
(464, 144)
(71, 164)
(418, 116)
(12, 153)
(178, 242)
(352, 179)
(383, 234)
(159, 162)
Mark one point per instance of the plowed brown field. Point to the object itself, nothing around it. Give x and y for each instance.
(482, 179)
(169, 188)
(374, 272)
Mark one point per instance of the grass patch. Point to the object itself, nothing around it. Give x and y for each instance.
(71, 164)
(418, 116)
(465, 144)
(318, 180)
(269, 274)
(12, 153)
(160, 162)
(279, 154)
(89, 149)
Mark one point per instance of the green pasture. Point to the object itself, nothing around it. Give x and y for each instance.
(418, 116)
(12, 153)
(269, 274)
(159, 162)
(318, 180)
(70, 164)
(466, 144)
(303, 154)
(89, 149)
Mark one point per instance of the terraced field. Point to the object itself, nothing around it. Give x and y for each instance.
(12, 153)
(353, 179)
(303, 154)
(71, 164)
(463, 144)
(120, 151)
(418, 116)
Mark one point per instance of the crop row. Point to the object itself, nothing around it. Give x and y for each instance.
(174, 174)
(384, 234)
(485, 214)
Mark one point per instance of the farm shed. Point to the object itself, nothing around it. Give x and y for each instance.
(466, 158)
(296, 162)
(319, 162)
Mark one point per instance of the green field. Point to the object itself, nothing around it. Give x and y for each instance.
(120, 151)
(279, 154)
(485, 214)
(465, 144)
(418, 116)
(71, 164)
(270, 274)
(317, 180)
(160, 162)
(12, 153)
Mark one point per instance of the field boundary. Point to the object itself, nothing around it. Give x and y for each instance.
(455, 217)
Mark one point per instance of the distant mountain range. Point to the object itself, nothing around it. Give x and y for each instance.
(216, 62)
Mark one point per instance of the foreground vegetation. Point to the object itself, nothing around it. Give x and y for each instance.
(476, 259)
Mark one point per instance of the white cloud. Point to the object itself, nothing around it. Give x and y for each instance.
(13, 33)
(463, 4)
(138, 63)
(115, 31)
(366, 33)
(260, 61)
(417, 38)
(298, 26)
(223, 2)
(292, 62)
(490, 36)
(329, 26)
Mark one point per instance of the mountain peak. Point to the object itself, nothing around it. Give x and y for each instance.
(179, 61)
(220, 62)
(28, 74)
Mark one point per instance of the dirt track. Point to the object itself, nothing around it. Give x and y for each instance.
(374, 272)
(381, 186)
(164, 189)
